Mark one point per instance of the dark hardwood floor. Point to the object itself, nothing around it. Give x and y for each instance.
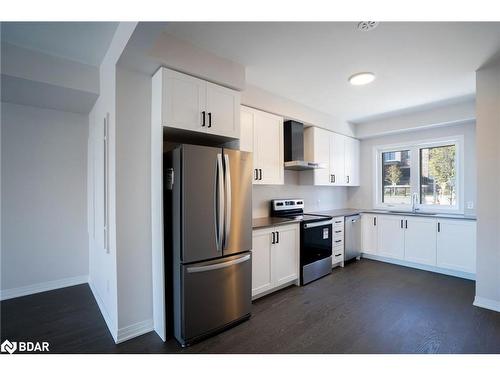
(367, 307)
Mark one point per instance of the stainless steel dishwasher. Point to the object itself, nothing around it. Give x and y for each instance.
(352, 237)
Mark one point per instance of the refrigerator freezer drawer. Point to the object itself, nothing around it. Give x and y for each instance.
(215, 294)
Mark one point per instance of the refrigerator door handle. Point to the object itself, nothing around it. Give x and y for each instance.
(220, 203)
(217, 266)
(227, 200)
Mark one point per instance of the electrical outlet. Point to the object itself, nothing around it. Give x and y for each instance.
(470, 205)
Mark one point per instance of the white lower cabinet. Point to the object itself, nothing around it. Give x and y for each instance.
(446, 244)
(391, 236)
(261, 260)
(369, 230)
(275, 257)
(456, 245)
(420, 240)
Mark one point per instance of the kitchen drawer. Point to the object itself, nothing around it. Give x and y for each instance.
(337, 258)
(338, 222)
(338, 250)
(338, 242)
(338, 234)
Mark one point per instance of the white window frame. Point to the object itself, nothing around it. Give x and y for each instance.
(414, 147)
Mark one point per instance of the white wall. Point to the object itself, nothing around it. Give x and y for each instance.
(363, 196)
(103, 263)
(316, 198)
(44, 227)
(488, 204)
(133, 198)
(457, 111)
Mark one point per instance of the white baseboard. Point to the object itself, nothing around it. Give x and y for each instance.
(444, 271)
(107, 318)
(134, 330)
(487, 303)
(42, 287)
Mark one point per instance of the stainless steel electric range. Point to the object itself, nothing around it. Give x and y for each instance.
(315, 238)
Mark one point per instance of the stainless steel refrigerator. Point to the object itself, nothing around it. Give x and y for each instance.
(211, 238)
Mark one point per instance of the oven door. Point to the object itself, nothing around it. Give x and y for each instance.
(316, 241)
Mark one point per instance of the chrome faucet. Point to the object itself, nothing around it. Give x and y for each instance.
(414, 202)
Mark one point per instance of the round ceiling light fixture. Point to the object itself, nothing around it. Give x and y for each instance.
(362, 78)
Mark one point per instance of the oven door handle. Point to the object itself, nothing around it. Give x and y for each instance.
(317, 224)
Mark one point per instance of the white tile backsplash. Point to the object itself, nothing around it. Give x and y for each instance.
(316, 198)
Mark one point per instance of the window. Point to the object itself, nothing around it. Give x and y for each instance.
(396, 173)
(437, 176)
(427, 172)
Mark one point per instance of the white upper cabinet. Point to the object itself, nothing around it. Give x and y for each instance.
(190, 103)
(262, 134)
(456, 245)
(351, 161)
(223, 110)
(337, 159)
(184, 100)
(420, 240)
(317, 149)
(338, 154)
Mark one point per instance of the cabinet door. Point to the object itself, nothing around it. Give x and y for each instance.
(456, 245)
(286, 254)
(337, 158)
(223, 111)
(261, 260)
(420, 240)
(351, 161)
(321, 154)
(369, 230)
(391, 238)
(268, 148)
(184, 100)
(246, 130)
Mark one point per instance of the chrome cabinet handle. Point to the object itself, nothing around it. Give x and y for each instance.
(277, 237)
(209, 119)
(203, 118)
(274, 238)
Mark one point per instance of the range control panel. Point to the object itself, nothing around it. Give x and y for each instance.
(287, 204)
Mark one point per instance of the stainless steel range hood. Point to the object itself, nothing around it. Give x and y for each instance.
(294, 148)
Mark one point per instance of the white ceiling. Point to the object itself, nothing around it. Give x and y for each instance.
(415, 63)
(85, 42)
